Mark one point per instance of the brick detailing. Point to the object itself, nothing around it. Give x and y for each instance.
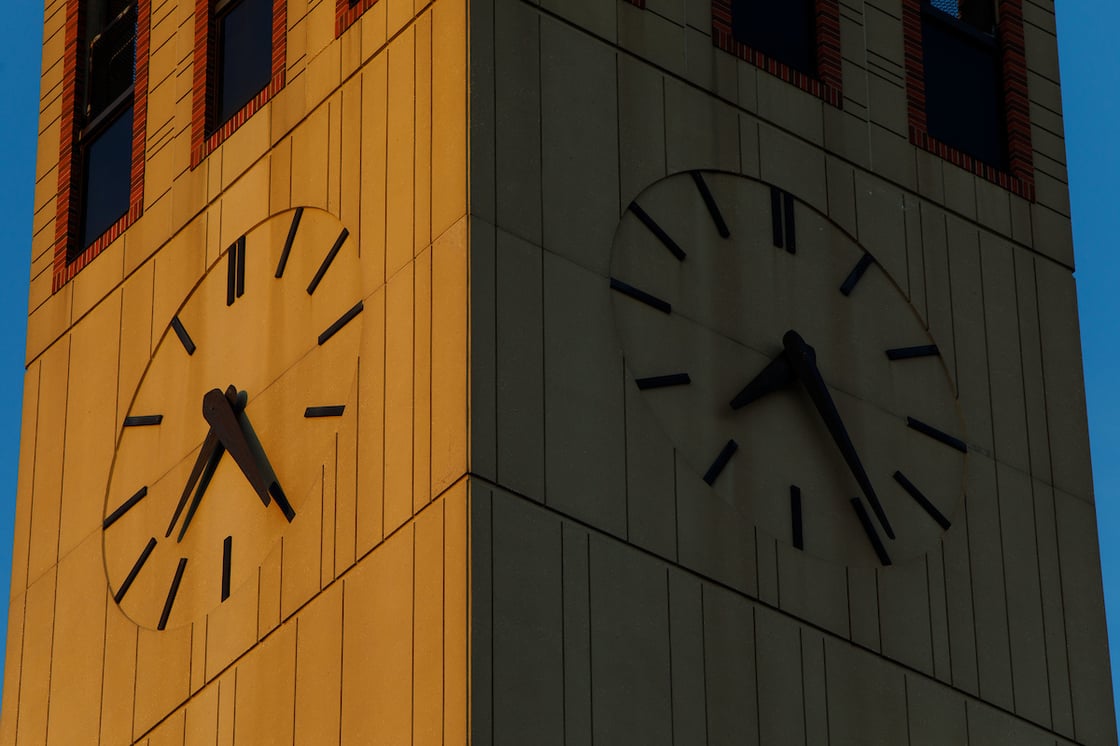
(203, 137)
(825, 85)
(346, 12)
(68, 211)
(1019, 179)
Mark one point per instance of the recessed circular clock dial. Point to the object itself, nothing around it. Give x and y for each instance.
(787, 367)
(235, 419)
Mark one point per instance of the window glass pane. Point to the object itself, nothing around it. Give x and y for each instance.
(782, 30)
(963, 90)
(100, 13)
(107, 178)
(979, 14)
(244, 55)
(111, 64)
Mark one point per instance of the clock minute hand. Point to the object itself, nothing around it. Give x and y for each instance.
(207, 460)
(803, 361)
(203, 483)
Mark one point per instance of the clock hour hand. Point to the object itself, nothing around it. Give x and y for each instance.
(207, 461)
(218, 409)
(774, 376)
(803, 361)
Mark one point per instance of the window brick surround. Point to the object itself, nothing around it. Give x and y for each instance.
(203, 139)
(1019, 178)
(69, 169)
(346, 13)
(825, 85)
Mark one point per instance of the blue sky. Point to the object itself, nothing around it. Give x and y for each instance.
(1090, 62)
(19, 79)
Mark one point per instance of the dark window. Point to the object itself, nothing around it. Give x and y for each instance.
(244, 46)
(104, 122)
(107, 182)
(111, 62)
(963, 78)
(979, 14)
(784, 31)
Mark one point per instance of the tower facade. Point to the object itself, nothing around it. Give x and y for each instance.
(640, 371)
(276, 150)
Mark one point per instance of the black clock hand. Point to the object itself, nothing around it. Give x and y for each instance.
(214, 447)
(774, 376)
(219, 412)
(803, 361)
(210, 452)
(203, 483)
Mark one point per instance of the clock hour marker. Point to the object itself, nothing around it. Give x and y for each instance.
(781, 220)
(235, 273)
(227, 559)
(147, 552)
(658, 382)
(126, 506)
(343, 320)
(231, 274)
(142, 420)
(710, 203)
(184, 337)
(905, 353)
(322, 271)
(721, 461)
(937, 435)
(854, 276)
(922, 500)
(776, 215)
(640, 295)
(241, 266)
(331, 411)
(869, 529)
(795, 515)
(288, 243)
(171, 593)
(282, 501)
(665, 239)
(791, 234)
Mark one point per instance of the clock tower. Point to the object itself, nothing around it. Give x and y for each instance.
(554, 372)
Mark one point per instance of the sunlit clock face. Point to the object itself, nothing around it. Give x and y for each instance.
(788, 369)
(235, 419)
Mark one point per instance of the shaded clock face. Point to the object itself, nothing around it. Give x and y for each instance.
(788, 369)
(235, 419)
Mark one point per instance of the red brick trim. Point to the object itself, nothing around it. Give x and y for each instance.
(827, 82)
(1019, 177)
(68, 210)
(346, 13)
(203, 138)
